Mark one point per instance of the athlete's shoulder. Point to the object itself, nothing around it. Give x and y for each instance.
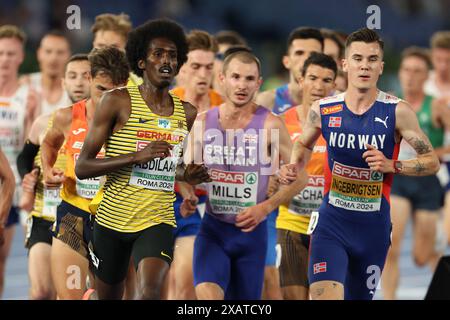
(117, 97)
(178, 91)
(215, 98)
(388, 98)
(266, 98)
(63, 117)
(337, 98)
(274, 121)
(190, 112)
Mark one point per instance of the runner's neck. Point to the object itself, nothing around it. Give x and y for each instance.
(232, 117)
(201, 102)
(295, 92)
(359, 101)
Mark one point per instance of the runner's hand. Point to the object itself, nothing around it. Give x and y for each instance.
(29, 180)
(287, 173)
(155, 149)
(188, 206)
(377, 161)
(196, 174)
(248, 219)
(54, 178)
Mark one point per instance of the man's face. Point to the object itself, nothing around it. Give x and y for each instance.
(100, 84)
(331, 48)
(440, 58)
(77, 80)
(11, 56)
(108, 38)
(160, 66)
(52, 55)
(363, 64)
(198, 71)
(240, 82)
(299, 51)
(413, 73)
(317, 83)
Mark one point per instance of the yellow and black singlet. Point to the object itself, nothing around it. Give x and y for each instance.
(47, 209)
(140, 196)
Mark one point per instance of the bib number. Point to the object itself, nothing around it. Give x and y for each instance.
(356, 189)
(51, 201)
(157, 174)
(87, 188)
(232, 192)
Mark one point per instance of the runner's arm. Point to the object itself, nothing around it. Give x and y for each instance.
(195, 172)
(285, 192)
(105, 119)
(54, 139)
(303, 146)
(7, 187)
(427, 162)
(25, 159)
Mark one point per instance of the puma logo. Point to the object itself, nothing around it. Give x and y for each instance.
(382, 121)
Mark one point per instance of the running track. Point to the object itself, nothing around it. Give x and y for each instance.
(413, 282)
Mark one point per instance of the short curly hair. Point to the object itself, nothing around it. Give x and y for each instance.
(140, 38)
(111, 62)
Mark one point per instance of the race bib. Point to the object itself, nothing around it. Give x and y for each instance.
(232, 192)
(358, 189)
(88, 188)
(51, 201)
(310, 198)
(157, 174)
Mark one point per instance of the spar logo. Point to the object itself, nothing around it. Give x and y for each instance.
(228, 177)
(316, 181)
(354, 173)
(251, 178)
(377, 176)
(332, 109)
(140, 145)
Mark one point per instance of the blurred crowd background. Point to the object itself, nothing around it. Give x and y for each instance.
(264, 23)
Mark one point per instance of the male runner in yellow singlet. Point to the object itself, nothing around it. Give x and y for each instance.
(143, 127)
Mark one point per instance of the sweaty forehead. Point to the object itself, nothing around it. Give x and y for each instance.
(52, 42)
(162, 43)
(201, 56)
(305, 45)
(365, 49)
(237, 66)
(78, 66)
(319, 71)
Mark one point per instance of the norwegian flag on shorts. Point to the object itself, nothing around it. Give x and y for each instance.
(320, 267)
(334, 122)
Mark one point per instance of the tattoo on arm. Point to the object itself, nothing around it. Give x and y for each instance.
(419, 168)
(320, 291)
(420, 146)
(313, 116)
